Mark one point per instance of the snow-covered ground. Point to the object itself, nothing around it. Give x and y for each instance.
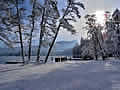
(4, 59)
(70, 75)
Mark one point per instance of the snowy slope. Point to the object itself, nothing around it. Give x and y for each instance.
(74, 75)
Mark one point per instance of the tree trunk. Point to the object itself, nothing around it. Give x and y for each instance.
(39, 48)
(52, 44)
(20, 33)
(95, 49)
(99, 46)
(56, 34)
(41, 36)
(33, 25)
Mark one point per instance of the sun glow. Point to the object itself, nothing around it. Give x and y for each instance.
(100, 17)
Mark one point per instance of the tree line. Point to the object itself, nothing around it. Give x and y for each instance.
(102, 40)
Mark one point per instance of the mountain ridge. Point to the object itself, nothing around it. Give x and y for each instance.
(60, 48)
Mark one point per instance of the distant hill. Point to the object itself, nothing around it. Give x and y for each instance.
(60, 48)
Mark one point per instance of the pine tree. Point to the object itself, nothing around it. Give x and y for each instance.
(94, 31)
(33, 27)
(49, 18)
(69, 14)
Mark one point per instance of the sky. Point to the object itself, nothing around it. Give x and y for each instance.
(91, 7)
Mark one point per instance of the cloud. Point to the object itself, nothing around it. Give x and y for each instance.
(93, 5)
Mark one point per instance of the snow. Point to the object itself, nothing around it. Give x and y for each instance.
(70, 75)
(4, 59)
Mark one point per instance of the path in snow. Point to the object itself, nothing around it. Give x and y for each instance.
(73, 75)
